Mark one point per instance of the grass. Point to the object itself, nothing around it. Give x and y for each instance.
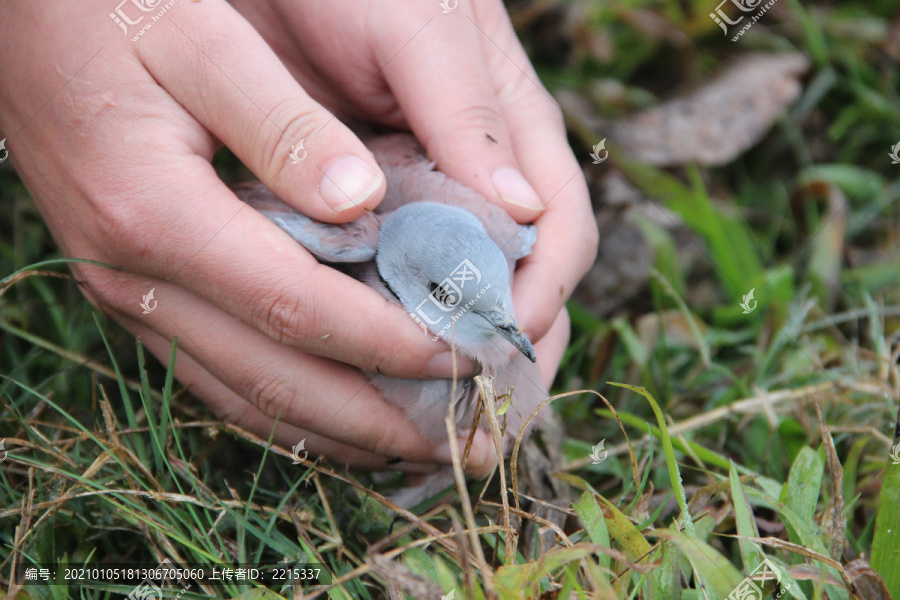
(731, 437)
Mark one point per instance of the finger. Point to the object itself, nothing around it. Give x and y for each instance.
(551, 348)
(252, 103)
(234, 409)
(161, 210)
(450, 103)
(197, 234)
(322, 396)
(567, 231)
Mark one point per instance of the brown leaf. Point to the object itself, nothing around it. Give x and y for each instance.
(718, 121)
(866, 582)
(833, 522)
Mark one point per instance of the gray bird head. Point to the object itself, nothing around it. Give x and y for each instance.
(441, 265)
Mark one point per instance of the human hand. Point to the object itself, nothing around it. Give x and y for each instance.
(115, 138)
(463, 84)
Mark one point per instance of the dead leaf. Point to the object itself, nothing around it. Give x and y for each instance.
(718, 121)
(865, 581)
(833, 522)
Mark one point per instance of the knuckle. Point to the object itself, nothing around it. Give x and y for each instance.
(551, 114)
(525, 91)
(468, 125)
(282, 313)
(300, 124)
(267, 392)
(383, 441)
(105, 288)
(126, 230)
(237, 413)
(555, 116)
(479, 117)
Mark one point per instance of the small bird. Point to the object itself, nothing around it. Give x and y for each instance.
(445, 254)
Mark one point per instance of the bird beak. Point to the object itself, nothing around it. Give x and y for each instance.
(506, 326)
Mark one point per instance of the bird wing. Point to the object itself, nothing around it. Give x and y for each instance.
(353, 242)
(425, 402)
(411, 178)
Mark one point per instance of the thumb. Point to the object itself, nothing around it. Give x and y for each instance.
(251, 102)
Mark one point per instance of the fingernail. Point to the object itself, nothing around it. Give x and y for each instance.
(514, 189)
(349, 182)
(441, 366)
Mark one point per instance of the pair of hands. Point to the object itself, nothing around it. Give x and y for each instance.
(114, 139)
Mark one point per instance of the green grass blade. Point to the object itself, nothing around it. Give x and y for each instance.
(751, 554)
(669, 452)
(123, 391)
(588, 510)
(886, 544)
(150, 413)
(701, 452)
(715, 571)
(801, 493)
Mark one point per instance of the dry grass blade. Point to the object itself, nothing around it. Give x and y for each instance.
(460, 480)
(23, 529)
(836, 524)
(16, 277)
(539, 520)
(798, 549)
(489, 399)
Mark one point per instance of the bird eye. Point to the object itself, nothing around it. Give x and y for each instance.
(442, 295)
